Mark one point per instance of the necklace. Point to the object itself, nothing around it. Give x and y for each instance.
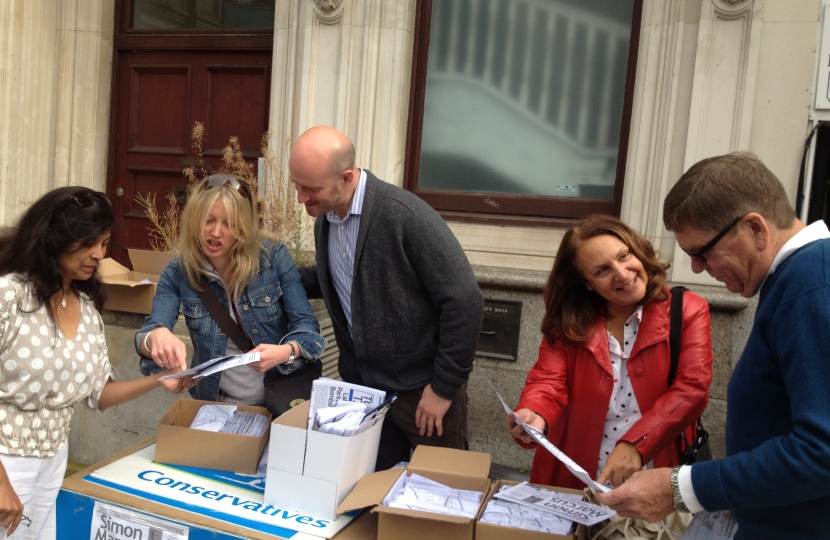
(63, 299)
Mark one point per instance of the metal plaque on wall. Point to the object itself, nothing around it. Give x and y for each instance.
(499, 336)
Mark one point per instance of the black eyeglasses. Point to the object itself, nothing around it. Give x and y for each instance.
(85, 199)
(700, 254)
(219, 180)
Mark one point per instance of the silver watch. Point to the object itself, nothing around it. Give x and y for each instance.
(679, 505)
(293, 355)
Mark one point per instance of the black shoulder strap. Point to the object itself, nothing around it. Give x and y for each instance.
(223, 318)
(675, 328)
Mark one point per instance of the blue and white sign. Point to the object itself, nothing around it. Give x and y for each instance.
(229, 497)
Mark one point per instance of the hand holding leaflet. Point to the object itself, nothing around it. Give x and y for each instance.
(540, 438)
(215, 365)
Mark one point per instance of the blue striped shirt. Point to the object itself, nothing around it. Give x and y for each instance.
(342, 245)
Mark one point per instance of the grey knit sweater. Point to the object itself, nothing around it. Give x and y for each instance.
(416, 306)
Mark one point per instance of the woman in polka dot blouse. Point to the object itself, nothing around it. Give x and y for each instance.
(52, 349)
(599, 387)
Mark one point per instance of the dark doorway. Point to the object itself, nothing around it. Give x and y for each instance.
(165, 79)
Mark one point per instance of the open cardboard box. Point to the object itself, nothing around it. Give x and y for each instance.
(489, 531)
(312, 472)
(125, 289)
(177, 444)
(455, 468)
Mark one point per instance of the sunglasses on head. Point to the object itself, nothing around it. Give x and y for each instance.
(85, 199)
(219, 180)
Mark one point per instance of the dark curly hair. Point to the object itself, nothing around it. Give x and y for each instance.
(570, 308)
(64, 220)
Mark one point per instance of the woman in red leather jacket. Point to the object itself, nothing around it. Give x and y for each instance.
(599, 388)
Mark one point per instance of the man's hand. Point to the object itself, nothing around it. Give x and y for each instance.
(646, 495)
(528, 417)
(624, 461)
(165, 349)
(11, 509)
(431, 411)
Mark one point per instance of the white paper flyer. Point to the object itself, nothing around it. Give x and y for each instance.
(711, 526)
(540, 438)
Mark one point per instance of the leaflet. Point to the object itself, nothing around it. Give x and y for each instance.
(419, 493)
(561, 504)
(519, 516)
(327, 392)
(215, 365)
(711, 526)
(537, 435)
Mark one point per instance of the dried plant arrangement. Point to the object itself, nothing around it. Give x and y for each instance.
(280, 217)
(164, 234)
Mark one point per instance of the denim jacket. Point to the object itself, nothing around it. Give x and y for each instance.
(273, 309)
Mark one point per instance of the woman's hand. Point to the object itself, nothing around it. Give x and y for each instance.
(176, 386)
(11, 509)
(270, 356)
(528, 417)
(165, 349)
(623, 462)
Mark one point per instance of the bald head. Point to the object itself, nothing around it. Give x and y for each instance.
(322, 168)
(322, 151)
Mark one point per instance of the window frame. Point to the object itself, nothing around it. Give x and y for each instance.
(129, 38)
(498, 208)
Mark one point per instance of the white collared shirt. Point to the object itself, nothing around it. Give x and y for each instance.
(342, 247)
(815, 231)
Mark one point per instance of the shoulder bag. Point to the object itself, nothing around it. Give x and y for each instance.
(281, 391)
(699, 449)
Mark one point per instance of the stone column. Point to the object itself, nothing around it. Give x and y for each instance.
(55, 80)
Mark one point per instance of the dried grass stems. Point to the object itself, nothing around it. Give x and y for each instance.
(280, 216)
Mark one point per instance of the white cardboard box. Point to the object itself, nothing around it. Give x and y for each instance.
(312, 472)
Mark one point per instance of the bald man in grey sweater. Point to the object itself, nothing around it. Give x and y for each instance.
(404, 302)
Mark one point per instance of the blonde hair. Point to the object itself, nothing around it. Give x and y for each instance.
(243, 221)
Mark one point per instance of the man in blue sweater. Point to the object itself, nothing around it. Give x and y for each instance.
(730, 214)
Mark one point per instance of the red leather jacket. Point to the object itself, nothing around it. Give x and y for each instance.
(570, 386)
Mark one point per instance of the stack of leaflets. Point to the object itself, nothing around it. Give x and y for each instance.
(345, 409)
(518, 516)
(227, 419)
(246, 423)
(419, 493)
(561, 504)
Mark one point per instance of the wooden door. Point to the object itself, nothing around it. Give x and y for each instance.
(159, 96)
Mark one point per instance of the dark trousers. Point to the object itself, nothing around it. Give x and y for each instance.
(400, 436)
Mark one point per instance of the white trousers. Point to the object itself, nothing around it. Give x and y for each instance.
(36, 481)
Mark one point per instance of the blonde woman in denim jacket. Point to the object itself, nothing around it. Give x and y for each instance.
(256, 280)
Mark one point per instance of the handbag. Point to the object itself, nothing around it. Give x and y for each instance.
(698, 449)
(282, 391)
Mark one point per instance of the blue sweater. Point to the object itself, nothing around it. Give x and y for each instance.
(776, 476)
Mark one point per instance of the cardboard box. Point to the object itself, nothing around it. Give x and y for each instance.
(489, 531)
(177, 444)
(130, 479)
(125, 288)
(312, 472)
(455, 468)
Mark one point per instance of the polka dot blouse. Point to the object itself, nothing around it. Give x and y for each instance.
(42, 373)
(623, 409)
